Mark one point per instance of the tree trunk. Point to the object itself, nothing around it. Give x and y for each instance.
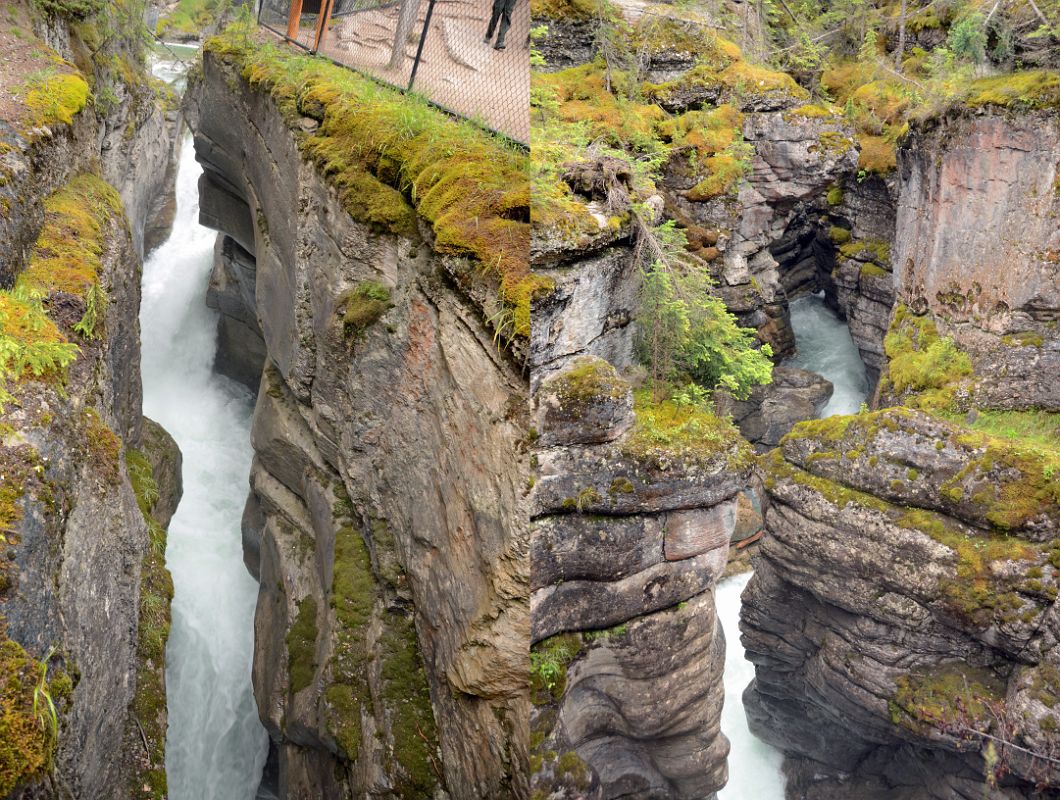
(410, 9)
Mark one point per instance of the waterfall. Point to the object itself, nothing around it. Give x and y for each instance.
(216, 746)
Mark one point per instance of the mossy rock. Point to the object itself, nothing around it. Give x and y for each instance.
(27, 742)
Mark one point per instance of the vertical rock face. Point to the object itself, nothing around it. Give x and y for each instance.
(629, 537)
(80, 554)
(386, 520)
(902, 616)
(88, 484)
(978, 247)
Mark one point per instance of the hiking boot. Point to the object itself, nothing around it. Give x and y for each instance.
(499, 45)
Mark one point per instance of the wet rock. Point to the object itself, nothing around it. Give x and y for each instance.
(773, 409)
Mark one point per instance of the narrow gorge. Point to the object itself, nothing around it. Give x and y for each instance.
(689, 432)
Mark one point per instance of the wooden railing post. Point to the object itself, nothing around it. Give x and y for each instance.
(323, 20)
(294, 19)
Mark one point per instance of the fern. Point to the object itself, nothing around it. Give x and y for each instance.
(30, 342)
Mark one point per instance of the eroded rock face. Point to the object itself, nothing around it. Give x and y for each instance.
(78, 550)
(977, 247)
(627, 543)
(887, 617)
(773, 409)
(796, 158)
(386, 521)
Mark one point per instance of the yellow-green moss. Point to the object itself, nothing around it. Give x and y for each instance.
(724, 172)
(571, 10)
(666, 432)
(302, 646)
(587, 382)
(920, 361)
(56, 99)
(839, 235)
(27, 745)
(777, 468)
(352, 599)
(835, 196)
(1030, 89)
(472, 188)
(68, 251)
(974, 593)
(408, 699)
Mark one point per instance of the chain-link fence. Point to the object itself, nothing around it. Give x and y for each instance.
(470, 57)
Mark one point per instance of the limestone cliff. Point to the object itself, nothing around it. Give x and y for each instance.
(633, 512)
(386, 519)
(88, 483)
(902, 613)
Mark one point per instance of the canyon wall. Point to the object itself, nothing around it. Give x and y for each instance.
(88, 483)
(902, 616)
(386, 518)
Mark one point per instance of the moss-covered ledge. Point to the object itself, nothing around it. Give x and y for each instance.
(392, 157)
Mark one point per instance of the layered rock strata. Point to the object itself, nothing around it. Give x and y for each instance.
(902, 614)
(630, 534)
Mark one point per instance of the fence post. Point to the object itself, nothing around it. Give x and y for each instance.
(419, 48)
(294, 19)
(323, 20)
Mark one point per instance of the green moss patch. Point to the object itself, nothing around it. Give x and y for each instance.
(362, 306)
(68, 253)
(950, 694)
(302, 646)
(56, 99)
(587, 382)
(27, 740)
(1032, 89)
(156, 597)
(469, 186)
(920, 362)
(667, 432)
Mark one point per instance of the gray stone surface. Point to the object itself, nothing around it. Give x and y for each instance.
(419, 420)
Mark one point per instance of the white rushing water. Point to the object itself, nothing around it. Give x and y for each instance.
(825, 347)
(216, 745)
(754, 766)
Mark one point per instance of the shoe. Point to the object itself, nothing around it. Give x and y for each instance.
(486, 39)
(498, 46)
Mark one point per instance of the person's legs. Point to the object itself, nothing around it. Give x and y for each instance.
(505, 9)
(494, 16)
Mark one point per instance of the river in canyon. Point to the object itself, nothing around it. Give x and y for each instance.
(216, 745)
(825, 347)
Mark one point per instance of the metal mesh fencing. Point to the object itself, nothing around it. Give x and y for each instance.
(470, 57)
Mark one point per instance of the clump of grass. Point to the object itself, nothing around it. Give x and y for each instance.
(667, 431)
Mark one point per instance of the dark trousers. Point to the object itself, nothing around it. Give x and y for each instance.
(502, 11)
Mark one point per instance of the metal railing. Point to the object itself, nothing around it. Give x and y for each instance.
(444, 50)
